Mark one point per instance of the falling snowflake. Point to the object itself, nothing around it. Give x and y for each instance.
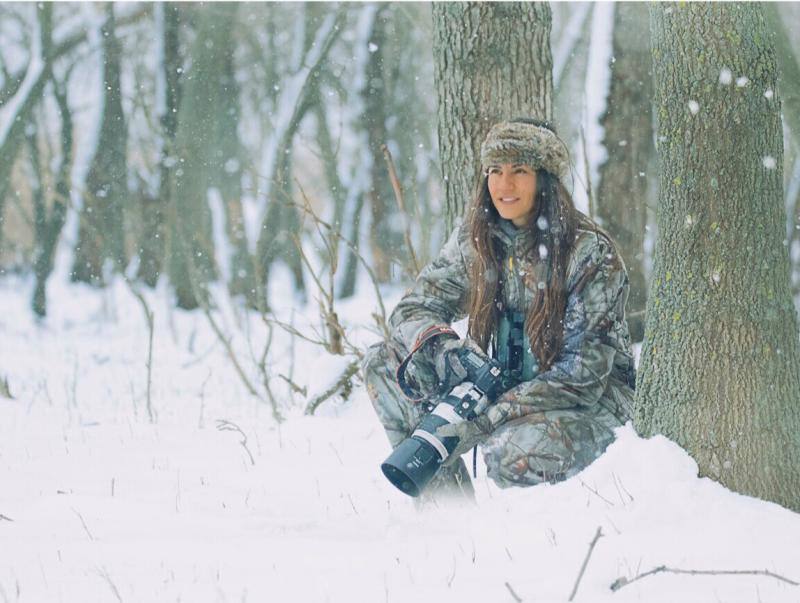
(769, 162)
(694, 107)
(725, 76)
(542, 223)
(741, 82)
(372, 47)
(543, 251)
(768, 94)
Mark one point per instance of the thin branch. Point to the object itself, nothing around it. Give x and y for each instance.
(83, 523)
(293, 331)
(622, 581)
(342, 383)
(596, 493)
(597, 536)
(103, 573)
(516, 597)
(148, 314)
(380, 318)
(398, 195)
(224, 425)
(303, 391)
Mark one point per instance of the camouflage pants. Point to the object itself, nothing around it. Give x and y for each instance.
(547, 446)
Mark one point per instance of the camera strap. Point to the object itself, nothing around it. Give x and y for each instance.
(424, 337)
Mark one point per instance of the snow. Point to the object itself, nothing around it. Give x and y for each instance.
(105, 505)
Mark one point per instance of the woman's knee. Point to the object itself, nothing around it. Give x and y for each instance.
(544, 447)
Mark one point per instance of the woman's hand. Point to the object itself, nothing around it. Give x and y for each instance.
(449, 370)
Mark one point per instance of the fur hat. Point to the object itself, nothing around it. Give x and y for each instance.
(519, 142)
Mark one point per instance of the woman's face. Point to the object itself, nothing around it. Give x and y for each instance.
(512, 188)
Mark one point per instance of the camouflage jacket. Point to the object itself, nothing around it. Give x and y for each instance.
(595, 366)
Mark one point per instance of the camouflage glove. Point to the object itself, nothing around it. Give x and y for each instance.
(421, 375)
(469, 434)
(449, 370)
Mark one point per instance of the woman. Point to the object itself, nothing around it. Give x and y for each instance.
(545, 290)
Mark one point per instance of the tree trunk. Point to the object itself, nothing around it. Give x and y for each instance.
(151, 245)
(229, 172)
(190, 247)
(623, 186)
(385, 239)
(101, 233)
(720, 369)
(49, 226)
(492, 62)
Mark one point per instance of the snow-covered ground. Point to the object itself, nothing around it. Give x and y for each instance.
(100, 504)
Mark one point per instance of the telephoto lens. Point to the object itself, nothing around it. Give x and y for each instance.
(412, 465)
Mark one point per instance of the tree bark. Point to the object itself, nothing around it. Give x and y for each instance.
(492, 62)
(627, 122)
(101, 232)
(720, 368)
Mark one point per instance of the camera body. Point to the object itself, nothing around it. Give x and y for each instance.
(412, 465)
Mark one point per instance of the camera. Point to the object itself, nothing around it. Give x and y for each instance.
(412, 465)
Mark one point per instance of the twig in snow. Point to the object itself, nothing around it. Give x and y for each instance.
(622, 581)
(597, 536)
(343, 383)
(5, 518)
(352, 504)
(148, 314)
(5, 391)
(224, 425)
(83, 523)
(596, 493)
(453, 575)
(517, 598)
(618, 482)
(103, 573)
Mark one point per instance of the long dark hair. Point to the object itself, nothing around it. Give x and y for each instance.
(553, 226)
